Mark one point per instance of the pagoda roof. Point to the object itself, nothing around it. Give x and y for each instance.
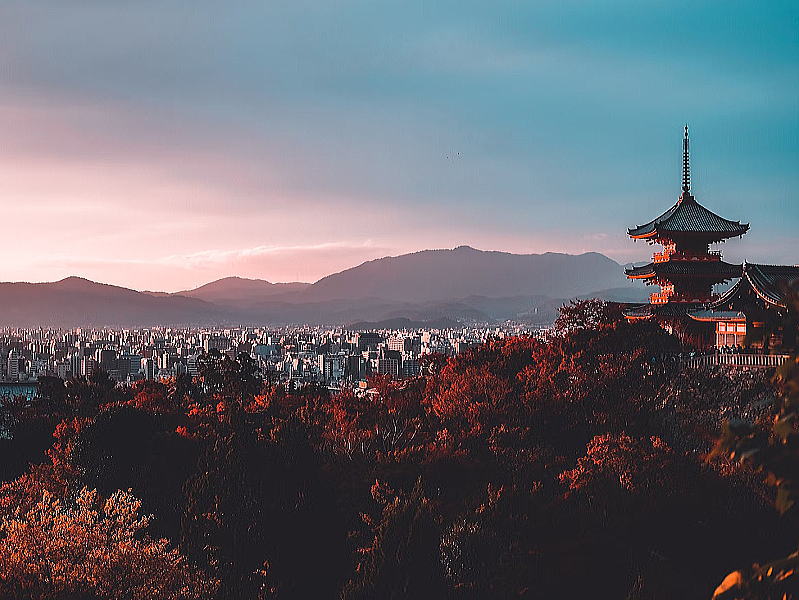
(689, 217)
(718, 315)
(768, 282)
(644, 311)
(670, 309)
(698, 268)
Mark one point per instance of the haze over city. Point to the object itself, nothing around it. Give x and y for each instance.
(163, 145)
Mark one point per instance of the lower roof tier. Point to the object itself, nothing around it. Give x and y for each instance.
(716, 270)
(668, 310)
(709, 315)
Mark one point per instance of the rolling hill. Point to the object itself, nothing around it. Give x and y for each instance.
(434, 275)
(462, 284)
(75, 301)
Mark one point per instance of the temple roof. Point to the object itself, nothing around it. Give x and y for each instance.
(767, 281)
(688, 216)
(716, 268)
(718, 315)
(670, 309)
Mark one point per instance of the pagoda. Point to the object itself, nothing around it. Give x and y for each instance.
(686, 269)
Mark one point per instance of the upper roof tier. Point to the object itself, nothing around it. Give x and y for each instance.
(688, 217)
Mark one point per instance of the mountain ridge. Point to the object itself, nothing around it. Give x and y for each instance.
(461, 284)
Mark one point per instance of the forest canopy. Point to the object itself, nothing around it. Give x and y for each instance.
(580, 467)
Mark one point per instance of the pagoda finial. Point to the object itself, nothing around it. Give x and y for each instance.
(686, 165)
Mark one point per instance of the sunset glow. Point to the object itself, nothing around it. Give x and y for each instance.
(373, 132)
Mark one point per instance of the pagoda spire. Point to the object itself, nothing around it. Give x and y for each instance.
(686, 165)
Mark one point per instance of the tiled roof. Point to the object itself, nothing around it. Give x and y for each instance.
(688, 216)
(767, 281)
(717, 315)
(770, 281)
(717, 268)
(643, 311)
(670, 309)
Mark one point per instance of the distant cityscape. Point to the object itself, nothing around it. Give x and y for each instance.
(294, 356)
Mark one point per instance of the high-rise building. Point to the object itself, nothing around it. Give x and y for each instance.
(368, 338)
(216, 342)
(106, 359)
(396, 343)
(410, 367)
(12, 365)
(148, 368)
(191, 365)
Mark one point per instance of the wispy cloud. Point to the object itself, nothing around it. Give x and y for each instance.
(180, 271)
(253, 138)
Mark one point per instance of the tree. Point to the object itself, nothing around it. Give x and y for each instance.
(586, 314)
(259, 513)
(775, 452)
(235, 379)
(403, 559)
(86, 548)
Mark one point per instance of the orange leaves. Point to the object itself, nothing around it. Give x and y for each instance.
(777, 579)
(152, 396)
(470, 393)
(618, 460)
(84, 545)
(387, 423)
(731, 581)
(382, 492)
(259, 404)
(481, 387)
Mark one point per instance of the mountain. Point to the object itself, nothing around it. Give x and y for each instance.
(435, 275)
(74, 302)
(462, 284)
(403, 323)
(240, 292)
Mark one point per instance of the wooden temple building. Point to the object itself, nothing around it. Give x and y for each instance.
(686, 269)
(757, 300)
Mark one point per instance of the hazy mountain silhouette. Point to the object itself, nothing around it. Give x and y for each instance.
(404, 323)
(462, 284)
(443, 274)
(241, 292)
(79, 302)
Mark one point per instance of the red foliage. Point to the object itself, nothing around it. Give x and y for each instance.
(84, 547)
(620, 461)
(152, 396)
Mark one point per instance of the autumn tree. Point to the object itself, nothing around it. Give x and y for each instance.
(85, 547)
(586, 314)
(403, 558)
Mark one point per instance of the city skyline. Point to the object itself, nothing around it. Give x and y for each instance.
(163, 148)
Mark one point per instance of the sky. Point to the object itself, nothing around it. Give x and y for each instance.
(164, 144)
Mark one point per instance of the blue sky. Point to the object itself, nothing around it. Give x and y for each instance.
(164, 144)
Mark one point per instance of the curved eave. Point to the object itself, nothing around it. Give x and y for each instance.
(638, 318)
(707, 316)
(711, 235)
(640, 236)
(638, 313)
(727, 296)
(715, 270)
(762, 295)
(681, 233)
